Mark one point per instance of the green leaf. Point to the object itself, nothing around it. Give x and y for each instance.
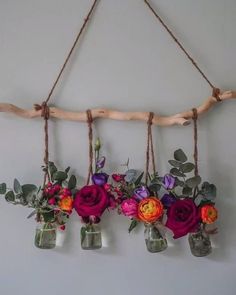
(3, 188)
(133, 224)
(154, 187)
(52, 168)
(176, 172)
(194, 181)
(72, 182)
(67, 169)
(174, 163)
(180, 156)
(187, 191)
(82, 233)
(60, 176)
(187, 167)
(48, 216)
(178, 182)
(28, 189)
(208, 190)
(17, 187)
(139, 179)
(10, 197)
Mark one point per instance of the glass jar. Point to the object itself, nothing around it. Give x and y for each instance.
(155, 240)
(45, 236)
(200, 243)
(91, 237)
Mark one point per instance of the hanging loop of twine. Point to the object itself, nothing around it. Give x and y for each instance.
(90, 137)
(216, 94)
(150, 147)
(195, 134)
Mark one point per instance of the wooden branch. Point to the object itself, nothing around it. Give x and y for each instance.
(183, 118)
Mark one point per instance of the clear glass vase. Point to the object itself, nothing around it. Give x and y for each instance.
(91, 237)
(155, 240)
(45, 236)
(200, 243)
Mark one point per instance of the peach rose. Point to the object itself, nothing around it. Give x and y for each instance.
(209, 214)
(150, 209)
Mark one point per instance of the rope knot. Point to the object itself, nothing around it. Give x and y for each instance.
(150, 118)
(195, 114)
(89, 116)
(216, 93)
(44, 108)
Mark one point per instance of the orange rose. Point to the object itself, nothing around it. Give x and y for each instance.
(209, 214)
(150, 209)
(66, 203)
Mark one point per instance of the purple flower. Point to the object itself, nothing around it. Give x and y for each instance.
(101, 162)
(141, 193)
(167, 200)
(100, 178)
(169, 181)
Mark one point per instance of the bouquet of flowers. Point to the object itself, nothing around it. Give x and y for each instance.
(140, 202)
(190, 205)
(52, 203)
(91, 201)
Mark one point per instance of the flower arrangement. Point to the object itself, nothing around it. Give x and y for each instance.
(52, 203)
(91, 201)
(189, 201)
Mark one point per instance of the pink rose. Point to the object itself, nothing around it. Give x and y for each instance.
(129, 208)
(91, 200)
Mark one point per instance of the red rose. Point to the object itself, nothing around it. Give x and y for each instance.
(183, 217)
(91, 200)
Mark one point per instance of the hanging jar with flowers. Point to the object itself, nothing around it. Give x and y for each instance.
(138, 199)
(190, 207)
(52, 204)
(92, 200)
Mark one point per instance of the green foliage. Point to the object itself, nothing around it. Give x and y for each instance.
(60, 176)
(187, 167)
(208, 190)
(180, 156)
(3, 188)
(139, 179)
(193, 181)
(72, 182)
(10, 197)
(133, 224)
(187, 191)
(174, 163)
(177, 172)
(52, 168)
(17, 187)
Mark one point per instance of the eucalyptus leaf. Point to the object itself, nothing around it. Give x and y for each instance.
(176, 172)
(17, 187)
(72, 182)
(29, 189)
(187, 167)
(180, 156)
(52, 168)
(194, 181)
(67, 169)
(3, 188)
(174, 163)
(10, 197)
(208, 190)
(187, 191)
(133, 224)
(60, 176)
(131, 175)
(139, 179)
(178, 182)
(154, 187)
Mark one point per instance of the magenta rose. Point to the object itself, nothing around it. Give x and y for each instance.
(183, 217)
(91, 200)
(129, 207)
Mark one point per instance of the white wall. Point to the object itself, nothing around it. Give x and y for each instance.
(125, 61)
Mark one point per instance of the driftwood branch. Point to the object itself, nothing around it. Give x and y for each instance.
(183, 118)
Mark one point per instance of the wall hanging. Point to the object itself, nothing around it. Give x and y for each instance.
(177, 201)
